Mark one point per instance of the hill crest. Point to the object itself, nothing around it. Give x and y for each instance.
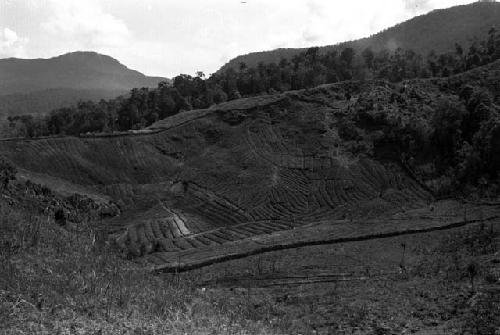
(437, 30)
(75, 70)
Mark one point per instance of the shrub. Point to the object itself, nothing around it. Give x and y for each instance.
(348, 130)
(17, 232)
(7, 173)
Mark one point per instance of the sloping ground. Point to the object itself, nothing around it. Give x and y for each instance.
(245, 168)
(38, 86)
(409, 283)
(74, 70)
(225, 244)
(43, 102)
(438, 30)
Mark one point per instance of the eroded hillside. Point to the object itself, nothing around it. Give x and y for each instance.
(262, 165)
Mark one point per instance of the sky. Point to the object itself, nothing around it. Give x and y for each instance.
(169, 37)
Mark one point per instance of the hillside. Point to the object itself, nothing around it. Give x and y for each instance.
(340, 151)
(36, 86)
(60, 276)
(438, 30)
(44, 101)
(339, 202)
(76, 70)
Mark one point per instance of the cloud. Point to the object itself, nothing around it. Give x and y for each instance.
(310, 36)
(415, 6)
(11, 45)
(9, 37)
(84, 24)
(168, 37)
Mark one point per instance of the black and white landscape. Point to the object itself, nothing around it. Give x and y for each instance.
(352, 188)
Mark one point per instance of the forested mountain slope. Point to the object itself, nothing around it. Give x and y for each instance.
(142, 107)
(37, 86)
(76, 70)
(436, 31)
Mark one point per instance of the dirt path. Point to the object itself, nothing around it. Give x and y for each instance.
(321, 234)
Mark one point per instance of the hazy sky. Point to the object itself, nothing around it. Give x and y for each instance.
(167, 37)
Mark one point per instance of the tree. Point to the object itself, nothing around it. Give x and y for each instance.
(312, 55)
(432, 63)
(368, 56)
(447, 125)
(219, 95)
(347, 56)
(166, 104)
(492, 43)
(128, 116)
(474, 56)
(185, 85)
(163, 84)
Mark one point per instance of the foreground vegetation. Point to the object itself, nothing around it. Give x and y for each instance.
(437, 283)
(60, 275)
(64, 277)
(55, 281)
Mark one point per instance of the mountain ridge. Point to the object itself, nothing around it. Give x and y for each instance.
(75, 70)
(459, 24)
(37, 86)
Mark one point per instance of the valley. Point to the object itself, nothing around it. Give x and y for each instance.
(354, 207)
(269, 185)
(247, 168)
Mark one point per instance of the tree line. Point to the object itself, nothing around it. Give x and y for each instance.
(142, 107)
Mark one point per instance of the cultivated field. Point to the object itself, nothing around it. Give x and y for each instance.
(273, 197)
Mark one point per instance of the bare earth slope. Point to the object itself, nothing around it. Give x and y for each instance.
(219, 181)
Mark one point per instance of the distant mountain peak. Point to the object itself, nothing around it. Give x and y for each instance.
(86, 70)
(87, 56)
(36, 86)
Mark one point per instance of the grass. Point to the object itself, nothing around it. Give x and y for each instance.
(59, 282)
(461, 263)
(433, 296)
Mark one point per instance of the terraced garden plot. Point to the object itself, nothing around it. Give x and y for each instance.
(241, 171)
(226, 247)
(299, 197)
(321, 288)
(166, 236)
(143, 171)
